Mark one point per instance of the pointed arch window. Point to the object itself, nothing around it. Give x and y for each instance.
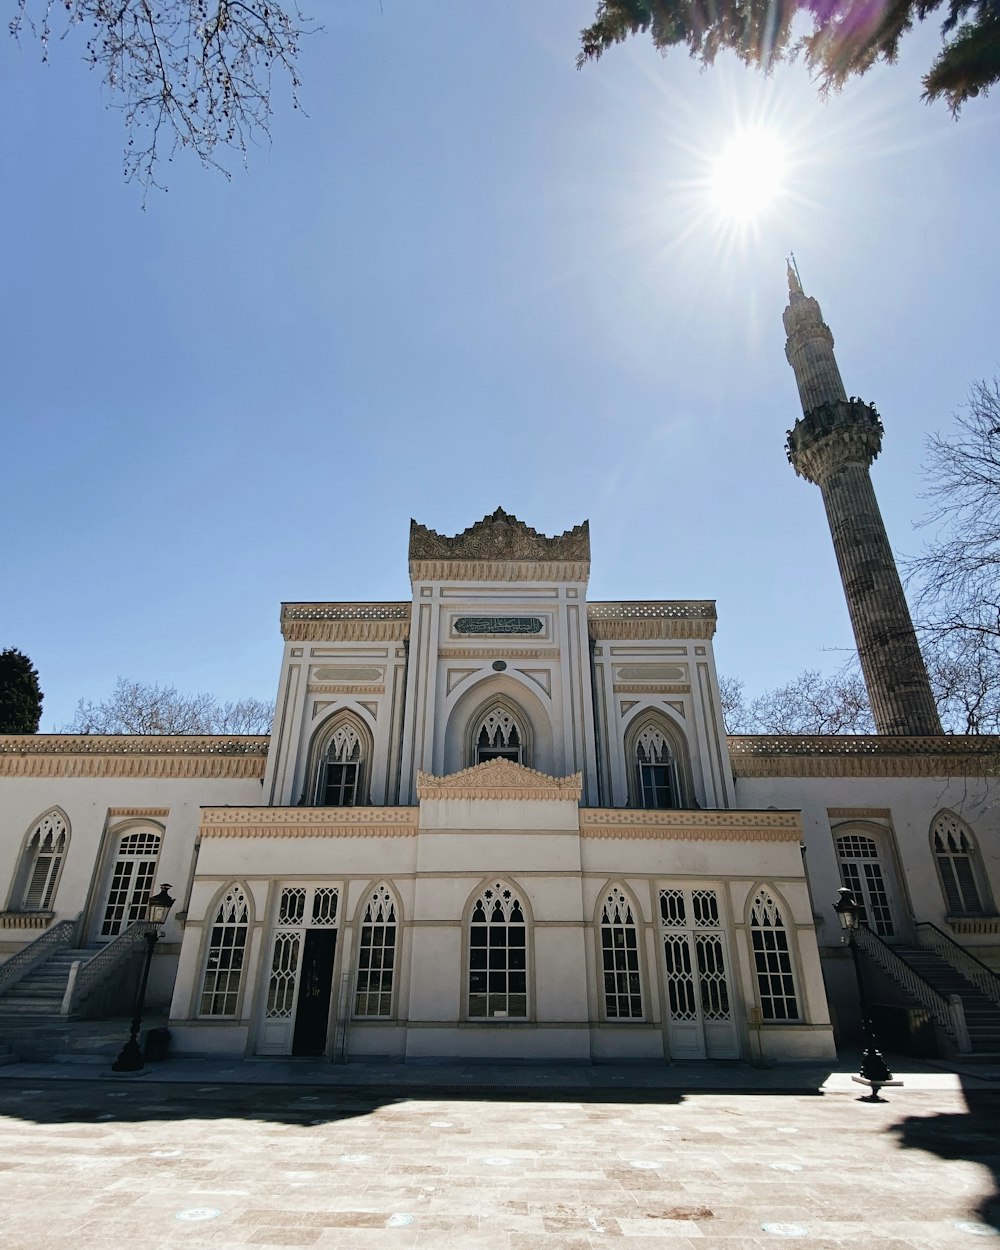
(376, 955)
(955, 856)
(499, 736)
(620, 957)
(42, 863)
(341, 773)
(656, 769)
(227, 944)
(772, 960)
(498, 955)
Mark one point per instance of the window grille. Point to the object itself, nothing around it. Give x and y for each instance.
(376, 956)
(657, 770)
(131, 881)
(862, 874)
(292, 905)
(340, 770)
(954, 855)
(498, 956)
(324, 909)
(44, 856)
(499, 737)
(620, 955)
(226, 951)
(672, 910)
(772, 960)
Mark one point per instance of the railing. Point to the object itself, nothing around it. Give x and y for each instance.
(948, 1013)
(29, 957)
(89, 987)
(930, 937)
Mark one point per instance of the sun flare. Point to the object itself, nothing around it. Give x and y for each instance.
(748, 175)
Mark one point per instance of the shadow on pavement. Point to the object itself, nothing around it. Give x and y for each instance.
(972, 1135)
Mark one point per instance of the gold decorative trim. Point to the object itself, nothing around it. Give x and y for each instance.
(347, 688)
(974, 924)
(489, 651)
(650, 630)
(500, 779)
(693, 826)
(650, 687)
(308, 822)
(858, 813)
(499, 570)
(132, 755)
(26, 919)
(345, 631)
(159, 812)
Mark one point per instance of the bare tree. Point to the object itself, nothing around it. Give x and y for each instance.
(135, 707)
(194, 74)
(808, 704)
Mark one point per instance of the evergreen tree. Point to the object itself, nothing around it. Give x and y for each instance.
(20, 695)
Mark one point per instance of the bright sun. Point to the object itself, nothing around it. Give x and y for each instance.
(748, 175)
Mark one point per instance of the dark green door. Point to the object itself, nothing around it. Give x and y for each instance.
(313, 1011)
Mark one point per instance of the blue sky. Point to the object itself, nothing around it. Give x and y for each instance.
(469, 275)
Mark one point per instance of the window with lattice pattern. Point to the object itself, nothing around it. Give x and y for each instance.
(498, 956)
(376, 956)
(131, 881)
(862, 874)
(954, 854)
(499, 737)
(227, 944)
(620, 958)
(772, 960)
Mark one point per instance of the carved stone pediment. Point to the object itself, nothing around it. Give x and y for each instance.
(500, 536)
(499, 779)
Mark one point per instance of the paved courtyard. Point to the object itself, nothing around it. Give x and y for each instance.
(147, 1165)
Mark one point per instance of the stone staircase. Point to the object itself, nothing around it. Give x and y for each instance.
(41, 992)
(982, 1014)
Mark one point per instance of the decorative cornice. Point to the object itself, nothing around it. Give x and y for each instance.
(308, 822)
(132, 755)
(691, 826)
(500, 779)
(481, 552)
(858, 813)
(641, 621)
(159, 812)
(864, 755)
(488, 650)
(345, 622)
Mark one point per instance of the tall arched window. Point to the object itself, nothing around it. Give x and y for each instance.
(376, 955)
(227, 944)
(657, 780)
(499, 736)
(955, 855)
(498, 955)
(344, 759)
(41, 863)
(861, 872)
(772, 959)
(620, 957)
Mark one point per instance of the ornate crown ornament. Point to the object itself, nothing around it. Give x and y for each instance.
(500, 537)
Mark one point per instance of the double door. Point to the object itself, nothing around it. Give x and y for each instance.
(699, 1010)
(299, 991)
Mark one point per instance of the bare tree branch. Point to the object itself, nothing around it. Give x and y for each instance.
(135, 707)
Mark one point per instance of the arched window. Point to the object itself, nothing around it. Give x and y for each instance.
(344, 758)
(227, 944)
(499, 736)
(131, 881)
(657, 782)
(772, 960)
(498, 955)
(861, 872)
(955, 855)
(41, 863)
(620, 957)
(376, 955)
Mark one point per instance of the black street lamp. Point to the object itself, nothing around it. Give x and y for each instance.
(874, 1070)
(130, 1059)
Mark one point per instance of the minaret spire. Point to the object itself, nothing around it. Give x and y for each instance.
(833, 445)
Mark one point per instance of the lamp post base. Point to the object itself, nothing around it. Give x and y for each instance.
(130, 1059)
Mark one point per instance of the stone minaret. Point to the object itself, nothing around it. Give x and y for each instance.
(833, 445)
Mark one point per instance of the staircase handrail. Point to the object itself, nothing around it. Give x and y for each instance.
(28, 958)
(948, 1013)
(963, 961)
(88, 975)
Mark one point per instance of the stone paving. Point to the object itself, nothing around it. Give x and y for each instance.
(150, 1164)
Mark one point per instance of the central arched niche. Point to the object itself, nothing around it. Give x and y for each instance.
(476, 701)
